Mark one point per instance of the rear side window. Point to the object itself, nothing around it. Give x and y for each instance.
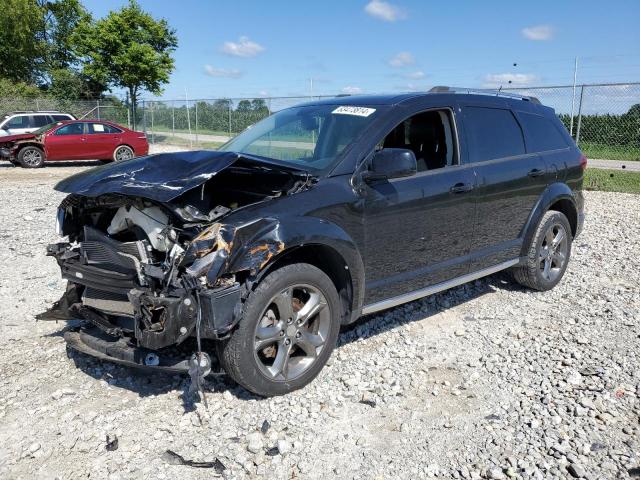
(71, 129)
(61, 118)
(542, 133)
(492, 133)
(41, 120)
(102, 128)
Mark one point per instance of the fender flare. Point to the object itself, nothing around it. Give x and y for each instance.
(259, 245)
(552, 194)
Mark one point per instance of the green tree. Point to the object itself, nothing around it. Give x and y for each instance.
(21, 38)
(62, 19)
(128, 49)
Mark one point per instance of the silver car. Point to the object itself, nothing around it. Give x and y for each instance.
(16, 123)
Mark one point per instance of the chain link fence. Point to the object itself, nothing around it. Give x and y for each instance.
(604, 119)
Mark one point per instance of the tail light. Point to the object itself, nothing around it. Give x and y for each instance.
(583, 162)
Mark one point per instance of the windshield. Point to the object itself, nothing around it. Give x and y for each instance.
(44, 129)
(308, 138)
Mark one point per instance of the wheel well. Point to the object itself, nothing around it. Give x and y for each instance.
(25, 145)
(566, 207)
(330, 262)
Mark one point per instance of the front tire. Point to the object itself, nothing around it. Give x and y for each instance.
(548, 253)
(289, 327)
(122, 152)
(31, 157)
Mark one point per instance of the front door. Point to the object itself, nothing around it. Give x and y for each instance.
(66, 142)
(418, 229)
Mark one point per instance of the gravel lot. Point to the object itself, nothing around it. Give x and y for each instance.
(483, 381)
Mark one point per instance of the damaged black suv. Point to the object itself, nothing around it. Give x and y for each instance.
(256, 254)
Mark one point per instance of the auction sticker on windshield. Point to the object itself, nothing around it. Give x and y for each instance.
(359, 111)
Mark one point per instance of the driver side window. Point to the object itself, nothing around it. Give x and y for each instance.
(429, 135)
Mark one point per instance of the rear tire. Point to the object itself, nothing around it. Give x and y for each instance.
(31, 157)
(123, 152)
(548, 253)
(289, 327)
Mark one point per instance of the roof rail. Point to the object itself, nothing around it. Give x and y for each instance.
(480, 91)
(13, 112)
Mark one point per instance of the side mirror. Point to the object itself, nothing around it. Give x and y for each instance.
(391, 163)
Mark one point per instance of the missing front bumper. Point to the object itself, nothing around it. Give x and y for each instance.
(99, 345)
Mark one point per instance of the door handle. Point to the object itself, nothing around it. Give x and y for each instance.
(536, 172)
(461, 188)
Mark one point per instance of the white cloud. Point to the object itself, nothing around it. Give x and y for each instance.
(496, 80)
(415, 75)
(222, 72)
(538, 32)
(263, 93)
(384, 11)
(401, 59)
(243, 48)
(351, 90)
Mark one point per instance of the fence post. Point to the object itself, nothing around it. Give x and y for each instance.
(196, 122)
(153, 138)
(144, 117)
(579, 115)
(173, 118)
(98, 108)
(128, 117)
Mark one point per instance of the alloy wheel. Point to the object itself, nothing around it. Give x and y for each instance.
(553, 252)
(292, 332)
(123, 153)
(32, 157)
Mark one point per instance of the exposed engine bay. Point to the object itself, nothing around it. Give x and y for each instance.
(155, 270)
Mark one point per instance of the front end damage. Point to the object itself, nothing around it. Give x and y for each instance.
(146, 274)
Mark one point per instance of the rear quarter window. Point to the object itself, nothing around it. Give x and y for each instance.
(61, 118)
(542, 133)
(492, 133)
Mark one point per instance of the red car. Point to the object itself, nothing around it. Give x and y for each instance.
(74, 140)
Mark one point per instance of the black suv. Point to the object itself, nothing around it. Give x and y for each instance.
(313, 217)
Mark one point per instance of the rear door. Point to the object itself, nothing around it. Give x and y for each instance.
(509, 181)
(101, 140)
(67, 142)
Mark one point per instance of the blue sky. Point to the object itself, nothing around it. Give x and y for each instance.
(259, 48)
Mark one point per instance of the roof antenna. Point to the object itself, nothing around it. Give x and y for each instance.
(499, 90)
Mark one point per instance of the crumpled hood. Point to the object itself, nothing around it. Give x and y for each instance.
(13, 138)
(160, 177)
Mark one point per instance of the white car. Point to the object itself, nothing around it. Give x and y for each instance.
(16, 123)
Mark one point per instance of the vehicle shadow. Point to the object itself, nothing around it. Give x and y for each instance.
(58, 164)
(147, 383)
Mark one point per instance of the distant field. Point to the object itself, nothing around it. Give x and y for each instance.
(612, 181)
(610, 152)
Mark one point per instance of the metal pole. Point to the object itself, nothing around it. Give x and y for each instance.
(196, 122)
(573, 98)
(128, 118)
(98, 108)
(144, 116)
(153, 138)
(186, 101)
(173, 118)
(579, 115)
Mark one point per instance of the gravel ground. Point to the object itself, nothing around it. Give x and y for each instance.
(484, 381)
